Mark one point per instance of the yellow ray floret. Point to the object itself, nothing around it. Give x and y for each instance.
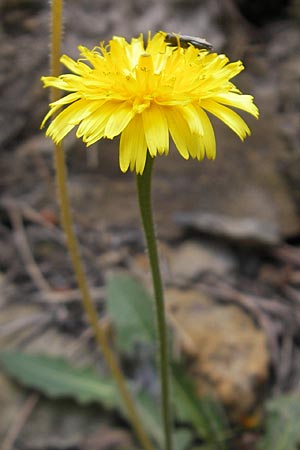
(146, 92)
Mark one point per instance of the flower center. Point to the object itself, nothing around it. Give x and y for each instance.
(145, 63)
(140, 104)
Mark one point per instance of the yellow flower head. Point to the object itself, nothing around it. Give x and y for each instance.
(144, 92)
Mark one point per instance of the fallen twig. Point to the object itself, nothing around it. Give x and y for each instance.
(68, 295)
(18, 424)
(288, 254)
(25, 251)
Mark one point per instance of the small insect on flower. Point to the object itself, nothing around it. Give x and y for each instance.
(177, 40)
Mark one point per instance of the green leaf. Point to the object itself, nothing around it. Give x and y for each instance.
(131, 309)
(282, 424)
(150, 416)
(56, 377)
(182, 438)
(206, 414)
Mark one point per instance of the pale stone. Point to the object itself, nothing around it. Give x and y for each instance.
(192, 258)
(228, 352)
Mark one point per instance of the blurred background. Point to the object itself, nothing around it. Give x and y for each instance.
(229, 230)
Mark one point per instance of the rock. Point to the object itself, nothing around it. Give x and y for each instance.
(237, 186)
(248, 230)
(193, 258)
(228, 353)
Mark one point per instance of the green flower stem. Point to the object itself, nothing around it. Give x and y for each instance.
(66, 219)
(144, 194)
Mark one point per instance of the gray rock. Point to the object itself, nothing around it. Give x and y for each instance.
(248, 230)
(192, 258)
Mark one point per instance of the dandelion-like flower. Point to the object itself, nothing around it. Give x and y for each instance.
(146, 92)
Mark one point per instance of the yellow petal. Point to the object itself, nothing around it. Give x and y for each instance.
(133, 147)
(118, 120)
(209, 139)
(76, 67)
(191, 115)
(179, 130)
(156, 130)
(240, 101)
(229, 117)
(196, 146)
(92, 128)
(62, 82)
(67, 120)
